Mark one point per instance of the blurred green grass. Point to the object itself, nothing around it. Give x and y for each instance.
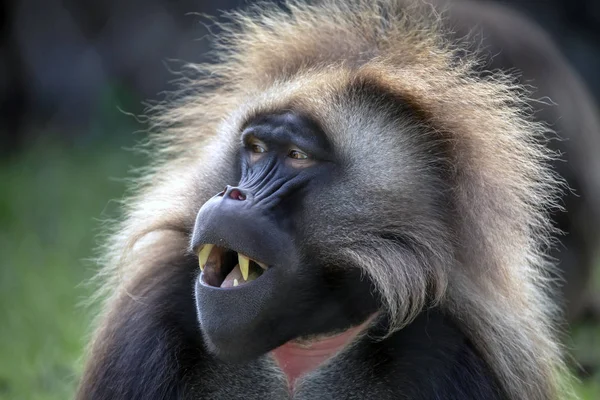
(53, 196)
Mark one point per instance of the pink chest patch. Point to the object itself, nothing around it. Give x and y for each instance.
(297, 359)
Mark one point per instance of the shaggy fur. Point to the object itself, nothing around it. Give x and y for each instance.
(341, 62)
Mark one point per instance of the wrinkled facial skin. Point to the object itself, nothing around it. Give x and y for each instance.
(260, 287)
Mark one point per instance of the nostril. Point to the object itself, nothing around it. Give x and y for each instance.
(237, 194)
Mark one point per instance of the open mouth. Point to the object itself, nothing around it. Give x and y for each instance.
(225, 268)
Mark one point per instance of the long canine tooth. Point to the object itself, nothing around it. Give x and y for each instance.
(235, 282)
(203, 255)
(262, 265)
(244, 265)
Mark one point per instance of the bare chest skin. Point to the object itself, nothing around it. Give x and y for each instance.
(297, 360)
(266, 380)
(296, 370)
(413, 364)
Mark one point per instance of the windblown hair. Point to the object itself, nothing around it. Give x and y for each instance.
(484, 263)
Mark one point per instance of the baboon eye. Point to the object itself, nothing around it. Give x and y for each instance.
(257, 148)
(297, 155)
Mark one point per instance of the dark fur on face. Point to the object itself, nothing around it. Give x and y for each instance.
(438, 195)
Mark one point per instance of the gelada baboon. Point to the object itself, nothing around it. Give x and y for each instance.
(369, 208)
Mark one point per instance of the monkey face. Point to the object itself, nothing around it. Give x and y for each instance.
(321, 209)
(259, 286)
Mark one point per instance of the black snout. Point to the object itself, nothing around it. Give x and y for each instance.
(233, 219)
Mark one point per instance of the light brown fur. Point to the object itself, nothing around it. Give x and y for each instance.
(494, 281)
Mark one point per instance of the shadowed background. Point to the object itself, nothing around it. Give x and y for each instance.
(68, 70)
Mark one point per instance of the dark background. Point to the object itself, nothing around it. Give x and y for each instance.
(60, 59)
(72, 73)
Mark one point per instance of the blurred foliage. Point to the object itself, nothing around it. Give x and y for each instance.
(53, 198)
